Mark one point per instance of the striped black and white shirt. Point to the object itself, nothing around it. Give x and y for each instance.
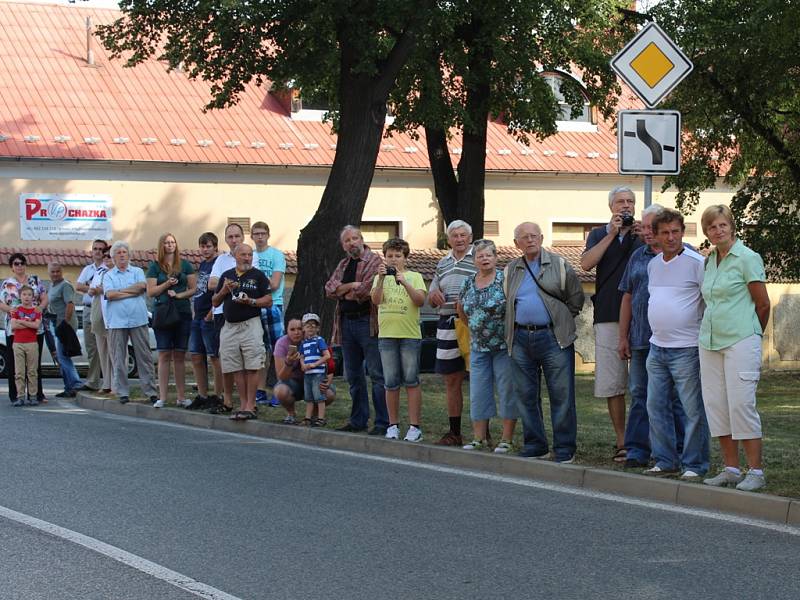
(450, 277)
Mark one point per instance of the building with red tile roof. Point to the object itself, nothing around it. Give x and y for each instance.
(141, 136)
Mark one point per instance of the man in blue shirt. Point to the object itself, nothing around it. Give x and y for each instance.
(126, 320)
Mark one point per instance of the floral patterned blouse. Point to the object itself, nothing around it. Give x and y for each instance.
(9, 294)
(486, 312)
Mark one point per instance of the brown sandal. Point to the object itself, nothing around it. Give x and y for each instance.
(620, 454)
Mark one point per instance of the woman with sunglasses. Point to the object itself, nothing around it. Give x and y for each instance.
(9, 301)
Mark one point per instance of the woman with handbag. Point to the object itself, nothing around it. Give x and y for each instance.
(171, 282)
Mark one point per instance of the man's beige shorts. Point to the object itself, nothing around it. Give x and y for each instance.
(241, 346)
(610, 372)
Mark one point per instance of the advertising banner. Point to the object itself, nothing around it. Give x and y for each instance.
(64, 216)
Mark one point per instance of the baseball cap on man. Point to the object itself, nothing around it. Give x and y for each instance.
(310, 317)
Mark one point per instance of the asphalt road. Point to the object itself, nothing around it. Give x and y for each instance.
(262, 519)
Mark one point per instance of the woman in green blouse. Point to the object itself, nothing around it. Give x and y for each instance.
(736, 315)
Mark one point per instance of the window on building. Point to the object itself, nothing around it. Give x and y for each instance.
(555, 81)
(377, 232)
(571, 234)
(244, 222)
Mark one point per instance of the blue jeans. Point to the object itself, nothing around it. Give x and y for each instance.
(679, 367)
(400, 362)
(201, 336)
(490, 374)
(534, 350)
(637, 431)
(360, 348)
(69, 373)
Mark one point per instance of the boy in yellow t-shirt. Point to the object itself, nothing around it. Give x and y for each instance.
(398, 294)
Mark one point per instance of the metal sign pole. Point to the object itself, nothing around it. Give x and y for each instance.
(648, 190)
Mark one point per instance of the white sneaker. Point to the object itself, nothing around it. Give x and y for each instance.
(393, 433)
(724, 478)
(476, 445)
(158, 404)
(752, 482)
(414, 434)
(689, 475)
(184, 403)
(503, 447)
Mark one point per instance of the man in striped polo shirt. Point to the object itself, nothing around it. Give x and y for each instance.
(451, 272)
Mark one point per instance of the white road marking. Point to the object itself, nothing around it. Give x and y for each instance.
(199, 589)
(529, 483)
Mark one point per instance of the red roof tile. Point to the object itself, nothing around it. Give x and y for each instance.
(48, 89)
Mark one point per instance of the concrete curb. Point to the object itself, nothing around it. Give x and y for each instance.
(776, 509)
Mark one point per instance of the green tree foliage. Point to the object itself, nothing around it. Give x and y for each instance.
(481, 60)
(349, 51)
(741, 111)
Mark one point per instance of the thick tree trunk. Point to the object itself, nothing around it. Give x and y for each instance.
(362, 117)
(318, 248)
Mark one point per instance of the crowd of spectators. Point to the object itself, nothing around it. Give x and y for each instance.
(681, 332)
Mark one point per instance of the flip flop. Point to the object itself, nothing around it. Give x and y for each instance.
(620, 455)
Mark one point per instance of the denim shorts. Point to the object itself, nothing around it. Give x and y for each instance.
(174, 338)
(297, 387)
(311, 389)
(400, 360)
(201, 337)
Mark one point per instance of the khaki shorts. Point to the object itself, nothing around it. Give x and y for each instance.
(610, 371)
(241, 346)
(729, 378)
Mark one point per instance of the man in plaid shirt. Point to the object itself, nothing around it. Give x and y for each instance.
(356, 329)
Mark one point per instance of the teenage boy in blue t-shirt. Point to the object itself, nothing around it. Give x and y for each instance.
(270, 261)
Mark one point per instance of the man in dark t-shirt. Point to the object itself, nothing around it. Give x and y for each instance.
(202, 341)
(608, 248)
(243, 291)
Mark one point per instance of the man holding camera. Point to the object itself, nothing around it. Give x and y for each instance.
(608, 248)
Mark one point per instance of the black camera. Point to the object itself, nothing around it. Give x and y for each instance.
(627, 219)
(391, 271)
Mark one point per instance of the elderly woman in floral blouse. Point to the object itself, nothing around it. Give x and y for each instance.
(482, 305)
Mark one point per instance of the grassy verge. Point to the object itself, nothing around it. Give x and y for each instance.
(777, 401)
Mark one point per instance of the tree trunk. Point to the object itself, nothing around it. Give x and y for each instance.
(362, 121)
(463, 197)
(445, 184)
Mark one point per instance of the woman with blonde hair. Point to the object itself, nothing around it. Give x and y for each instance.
(736, 315)
(171, 282)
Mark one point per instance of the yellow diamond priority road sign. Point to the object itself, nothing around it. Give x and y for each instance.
(651, 64)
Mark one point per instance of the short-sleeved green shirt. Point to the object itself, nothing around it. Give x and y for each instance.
(730, 314)
(155, 272)
(398, 316)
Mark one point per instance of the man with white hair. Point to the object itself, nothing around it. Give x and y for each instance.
(124, 288)
(609, 247)
(355, 327)
(451, 273)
